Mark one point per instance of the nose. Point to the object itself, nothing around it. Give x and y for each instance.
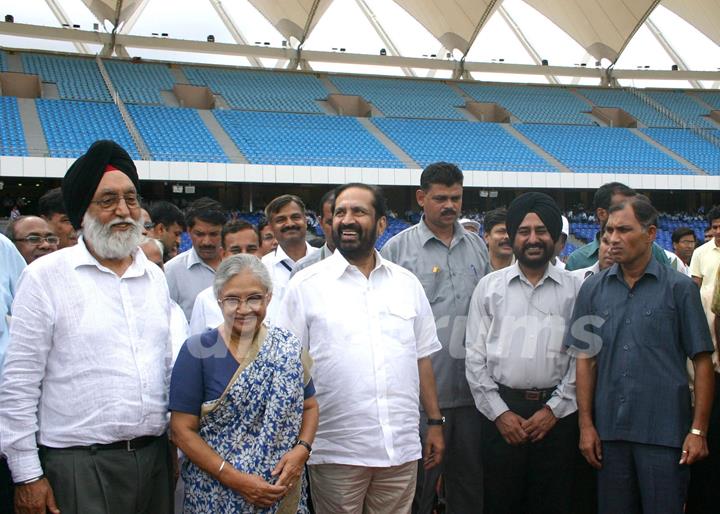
(122, 210)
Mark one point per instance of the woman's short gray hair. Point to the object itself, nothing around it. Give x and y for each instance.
(237, 264)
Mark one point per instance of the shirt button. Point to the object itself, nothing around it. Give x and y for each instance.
(631, 295)
(624, 373)
(457, 296)
(626, 347)
(627, 321)
(622, 399)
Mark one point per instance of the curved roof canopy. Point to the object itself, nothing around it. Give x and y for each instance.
(702, 14)
(292, 18)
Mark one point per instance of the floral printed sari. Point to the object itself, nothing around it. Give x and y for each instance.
(252, 425)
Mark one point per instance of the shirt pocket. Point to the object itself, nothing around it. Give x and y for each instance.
(432, 285)
(657, 326)
(398, 322)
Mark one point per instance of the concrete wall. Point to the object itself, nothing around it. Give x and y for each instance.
(22, 85)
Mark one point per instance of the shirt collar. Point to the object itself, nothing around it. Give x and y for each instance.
(653, 268)
(83, 257)
(551, 272)
(338, 264)
(426, 234)
(279, 255)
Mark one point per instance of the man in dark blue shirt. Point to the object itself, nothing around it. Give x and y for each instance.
(633, 327)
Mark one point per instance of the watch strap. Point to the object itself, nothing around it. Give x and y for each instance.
(436, 421)
(305, 444)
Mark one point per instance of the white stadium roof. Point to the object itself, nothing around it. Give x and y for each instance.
(639, 39)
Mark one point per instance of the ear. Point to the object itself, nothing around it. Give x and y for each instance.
(381, 225)
(420, 197)
(651, 232)
(486, 237)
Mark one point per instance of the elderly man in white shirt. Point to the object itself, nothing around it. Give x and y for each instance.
(521, 377)
(370, 331)
(84, 392)
(286, 218)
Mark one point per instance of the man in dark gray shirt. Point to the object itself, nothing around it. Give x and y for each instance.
(633, 327)
(449, 261)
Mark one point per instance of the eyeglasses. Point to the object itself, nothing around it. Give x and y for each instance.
(149, 225)
(36, 240)
(110, 202)
(254, 302)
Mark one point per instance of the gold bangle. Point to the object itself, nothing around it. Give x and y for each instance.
(221, 467)
(697, 431)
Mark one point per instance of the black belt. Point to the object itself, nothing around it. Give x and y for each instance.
(533, 395)
(129, 446)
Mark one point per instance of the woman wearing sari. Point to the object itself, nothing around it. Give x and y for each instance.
(242, 410)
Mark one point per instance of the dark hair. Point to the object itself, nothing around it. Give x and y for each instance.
(603, 196)
(51, 203)
(233, 227)
(10, 229)
(207, 210)
(328, 197)
(281, 201)
(444, 173)
(681, 232)
(379, 203)
(262, 223)
(713, 214)
(707, 229)
(166, 213)
(494, 217)
(644, 212)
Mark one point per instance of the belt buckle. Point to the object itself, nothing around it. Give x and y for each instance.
(129, 446)
(532, 395)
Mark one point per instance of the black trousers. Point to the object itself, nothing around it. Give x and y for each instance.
(7, 489)
(533, 478)
(117, 481)
(704, 490)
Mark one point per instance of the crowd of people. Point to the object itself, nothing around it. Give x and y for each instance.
(462, 368)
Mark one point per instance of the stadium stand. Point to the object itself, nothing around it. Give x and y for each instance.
(534, 104)
(261, 90)
(3, 61)
(404, 98)
(140, 82)
(176, 134)
(12, 136)
(601, 150)
(585, 231)
(683, 106)
(472, 146)
(76, 78)
(631, 104)
(70, 127)
(394, 225)
(711, 98)
(304, 139)
(692, 147)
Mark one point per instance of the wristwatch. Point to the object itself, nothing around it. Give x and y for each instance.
(697, 431)
(307, 446)
(440, 421)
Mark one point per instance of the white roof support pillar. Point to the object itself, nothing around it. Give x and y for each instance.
(670, 50)
(386, 39)
(62, 17)
(524, 41)
(232, 28)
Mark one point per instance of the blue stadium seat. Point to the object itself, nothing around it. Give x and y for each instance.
(684, 106)
(471, 145)
(404, 98)
(601, 150)
(77, 78)
(176, 134)
(70, 127)
(711, 98)
(692, 147)
(304, 139)
(12, 136)
(535, 104)
(261, 90)
(628, 102)
(140, 82)
(394, 226)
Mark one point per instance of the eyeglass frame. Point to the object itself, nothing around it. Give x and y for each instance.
(115, 201)
(40, 240)
(261, 298)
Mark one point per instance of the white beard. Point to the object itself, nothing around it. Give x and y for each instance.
(108, 244)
